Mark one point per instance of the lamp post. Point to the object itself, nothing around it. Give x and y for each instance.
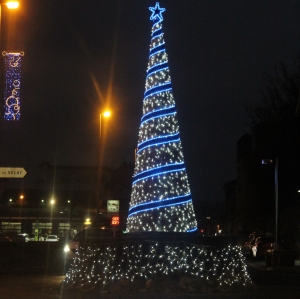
(105, 114)
(9, 5)
(52, 202)
(271, 161)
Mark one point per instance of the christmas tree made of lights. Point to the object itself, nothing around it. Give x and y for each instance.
(161, 198)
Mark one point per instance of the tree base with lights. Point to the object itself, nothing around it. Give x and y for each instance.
(160, 262)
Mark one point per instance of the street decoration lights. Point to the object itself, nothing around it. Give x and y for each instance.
(12, 64)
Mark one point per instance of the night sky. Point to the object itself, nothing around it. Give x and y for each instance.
(81, 56)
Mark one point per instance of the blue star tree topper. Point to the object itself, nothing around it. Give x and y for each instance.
(157, 12)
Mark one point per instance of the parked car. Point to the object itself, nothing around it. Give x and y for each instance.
(31, 237)
(4, 238)
(22, 238)
(265, 245)
(258, 245)
(90, 235)
(52, 238)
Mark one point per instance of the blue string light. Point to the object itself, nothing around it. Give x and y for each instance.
(160, 201)
(159, 91)
(158, 113)
(157, 48)
(156, 12)
(153, 173)
(163, 50)
(192, 230)
(159, 207)
(157, 68)
(158, 88)
(156, 33)
(156, 142)
(159, 116)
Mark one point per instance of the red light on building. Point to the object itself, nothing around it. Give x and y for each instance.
(115, 221)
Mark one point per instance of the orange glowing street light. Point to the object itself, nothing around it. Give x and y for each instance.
(105, 114)
(12, 4)
(9, 5)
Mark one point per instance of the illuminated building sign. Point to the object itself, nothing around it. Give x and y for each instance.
(115, 221)
(12, 65)
(113, 206)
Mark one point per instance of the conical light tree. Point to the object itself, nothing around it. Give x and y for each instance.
(161, 198)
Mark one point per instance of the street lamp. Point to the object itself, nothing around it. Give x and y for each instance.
(9, 5)
(105, 114)
(271, 161)
(52, 202)
(12, 4)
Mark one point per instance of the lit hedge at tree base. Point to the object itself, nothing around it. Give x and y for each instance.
(107, 266)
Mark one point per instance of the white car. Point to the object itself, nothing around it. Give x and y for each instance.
(52, 238)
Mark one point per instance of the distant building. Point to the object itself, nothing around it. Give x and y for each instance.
(73, 191)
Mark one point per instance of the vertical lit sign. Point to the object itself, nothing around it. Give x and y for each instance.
(115, 221)
(12, 66)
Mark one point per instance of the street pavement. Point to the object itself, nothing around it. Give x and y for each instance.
(267, 283)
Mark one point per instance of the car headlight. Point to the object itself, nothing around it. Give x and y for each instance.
(66, 248)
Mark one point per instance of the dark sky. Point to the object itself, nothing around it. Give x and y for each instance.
(74, 50)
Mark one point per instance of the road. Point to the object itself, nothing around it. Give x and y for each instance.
(267, 284)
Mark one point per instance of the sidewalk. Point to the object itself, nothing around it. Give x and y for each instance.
(262, 265)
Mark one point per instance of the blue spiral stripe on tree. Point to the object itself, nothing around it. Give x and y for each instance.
(157, 67)
(158, 113)
(157, 33)
(184, 197)
(158, 88)
(158, 170)
(157, 49)
(158, 52)
(160, 204)
(158, 140)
